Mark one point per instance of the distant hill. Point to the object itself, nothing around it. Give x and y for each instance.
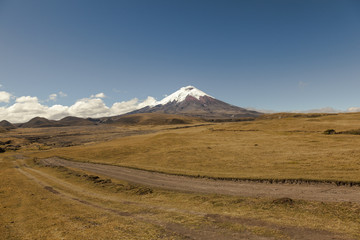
(75, 121)
(39, 122)
(6, 125)
(150, 119)
(133, 119)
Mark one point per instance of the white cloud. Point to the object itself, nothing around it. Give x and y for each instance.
(56, 112)
(353, 109)
(62, 94)
(124, 107)
(24, 108)
(89, 107)
(99, 95)
(53, 97)
(150, 101)
(27, 107)
(25, 99)
(5, 96)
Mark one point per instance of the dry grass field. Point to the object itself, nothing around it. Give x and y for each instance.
(39, 202)
(286, 148)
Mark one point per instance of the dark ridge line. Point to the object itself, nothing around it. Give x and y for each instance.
(234, 179)
(191, 126)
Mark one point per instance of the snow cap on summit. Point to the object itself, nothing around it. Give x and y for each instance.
(181, 94)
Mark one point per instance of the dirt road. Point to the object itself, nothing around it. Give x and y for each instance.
(139, 212)
(313, 192)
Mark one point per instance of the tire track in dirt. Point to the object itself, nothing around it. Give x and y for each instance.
(313, 192)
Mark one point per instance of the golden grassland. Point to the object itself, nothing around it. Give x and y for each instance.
(28, 211)
(87, 210)
(286, 148)
(40, 202)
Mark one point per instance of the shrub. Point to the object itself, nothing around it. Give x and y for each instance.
(330, 131)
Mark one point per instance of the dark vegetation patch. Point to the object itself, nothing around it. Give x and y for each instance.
(233, 130)
(329, 131)
(7, 146)
(284, 200)
(351, 132)
(288, 181)
(191, 126)
(6, 142)
(177, 121)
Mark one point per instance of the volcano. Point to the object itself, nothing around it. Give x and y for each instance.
(190, 101)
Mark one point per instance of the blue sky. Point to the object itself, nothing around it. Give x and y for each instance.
(282, 55)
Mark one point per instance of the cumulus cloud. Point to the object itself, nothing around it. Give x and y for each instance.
(124, 107)
(53, 97)
(99, 95)
(89, 107)
(150, 101)
(26, 99)
(5, 96)
(132, 105)
(27, 107)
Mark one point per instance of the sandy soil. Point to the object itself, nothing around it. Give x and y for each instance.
(312, 192)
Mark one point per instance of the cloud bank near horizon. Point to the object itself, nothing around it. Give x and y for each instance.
(27, 107)
(24, 108)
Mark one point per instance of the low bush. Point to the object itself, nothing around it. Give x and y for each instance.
(330, 131)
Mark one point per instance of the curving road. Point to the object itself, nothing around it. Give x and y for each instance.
(313, 192)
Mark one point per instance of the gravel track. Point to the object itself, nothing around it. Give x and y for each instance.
(313, 192)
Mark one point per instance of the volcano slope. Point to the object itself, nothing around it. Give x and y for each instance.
(45, 200)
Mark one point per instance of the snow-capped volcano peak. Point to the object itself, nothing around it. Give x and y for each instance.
(181, 94)
(190, 101)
